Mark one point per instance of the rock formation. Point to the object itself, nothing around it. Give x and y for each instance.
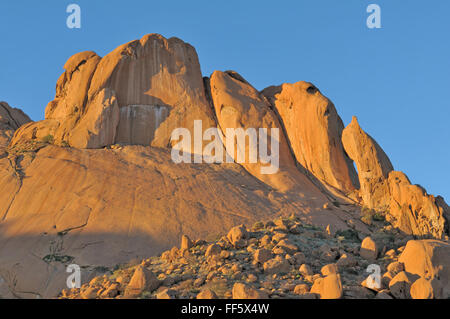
(138, 94)
(314, 131)
(408, 207)
(238, 105)
(94, 183)
(373, 165)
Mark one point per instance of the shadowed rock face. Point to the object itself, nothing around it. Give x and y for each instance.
(314, 131)
(106, 207)
(157, 81)
(10, 120)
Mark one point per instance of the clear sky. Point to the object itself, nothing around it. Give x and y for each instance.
(395, 79)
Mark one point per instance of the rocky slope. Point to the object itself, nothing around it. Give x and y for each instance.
(283, 259)
(94, 183)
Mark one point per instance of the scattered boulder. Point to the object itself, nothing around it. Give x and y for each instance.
(243, 291)
(429, 259)
(276, 266)
(166, 294)
(329, 269)
(306, 270)
(262, 255)
(288, 246)
(329, 287)
(207, 294)
(142, 280)
(238, 236)
(301, 289)
(369, 249)
(400, 285)
(186, 243)
(213, 250)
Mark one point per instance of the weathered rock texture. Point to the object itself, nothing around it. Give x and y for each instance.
(314, 131)
(373, 165)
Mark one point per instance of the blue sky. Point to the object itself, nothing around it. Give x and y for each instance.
(395, 79)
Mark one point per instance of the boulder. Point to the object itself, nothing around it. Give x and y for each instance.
(329, 269)
(429, 259)
(262, 255)
(422, 289)
(400, 285)
(369, 249)
(207, 294)
(276, 266)
(329, 287)
(237, 236)
(213, 250)
(186, 243)
(142, 280)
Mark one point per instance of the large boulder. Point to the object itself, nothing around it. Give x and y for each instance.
(429, 259)
(314, 129)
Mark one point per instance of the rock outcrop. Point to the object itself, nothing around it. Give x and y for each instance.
(10, 120)
(138, 94)
(408, 207)
(238, 105)
(373, 165)
(314, 131)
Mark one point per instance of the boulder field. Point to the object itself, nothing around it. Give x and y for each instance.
(94, 183)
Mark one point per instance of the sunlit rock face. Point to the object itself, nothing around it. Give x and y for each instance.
(156, 84)
(138, 123)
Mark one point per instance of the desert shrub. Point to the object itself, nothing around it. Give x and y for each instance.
(49, 139)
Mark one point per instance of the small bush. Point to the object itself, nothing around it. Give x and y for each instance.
(49, 139)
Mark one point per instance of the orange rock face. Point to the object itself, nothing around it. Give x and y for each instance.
(429, 259)
(138, 94)
(238, 105)
(314, 131)
(372, 163)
